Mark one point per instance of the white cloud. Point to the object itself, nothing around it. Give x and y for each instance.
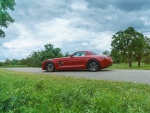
(79, 5)
(70, 25)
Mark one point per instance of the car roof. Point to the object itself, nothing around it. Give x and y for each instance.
(87, 52)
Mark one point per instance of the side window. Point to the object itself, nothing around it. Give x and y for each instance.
(79, 54)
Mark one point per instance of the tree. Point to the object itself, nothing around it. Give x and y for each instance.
(51, 52)
(128, 43)
(7, 62)
(14, 62)
(1, 64)
(142, 48)
(22, 62)
(106, 52)
(115, 56)
(5, 18)
(146, 59)
(66, 54)
(36, 58)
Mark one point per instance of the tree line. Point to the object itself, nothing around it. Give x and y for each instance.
(36, 58)
(127, 46)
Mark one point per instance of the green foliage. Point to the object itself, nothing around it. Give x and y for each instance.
(130, 45)
(12, 66)
(1, 64)
(5, 18)
(36, 58)
(125, 66)
(106, 52)
(7, 62)
(66, 54)
(31, 93)
(22, 62)
(14, 62)
(116, 56)
(146, 59)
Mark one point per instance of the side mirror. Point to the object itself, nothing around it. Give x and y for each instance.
(71, 56)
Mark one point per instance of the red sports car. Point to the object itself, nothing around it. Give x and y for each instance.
(80, 60)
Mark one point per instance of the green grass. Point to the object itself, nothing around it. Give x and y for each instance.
(12, 66)
(35, 93)
(134, 66)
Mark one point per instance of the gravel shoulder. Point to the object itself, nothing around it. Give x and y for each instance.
(137, 76)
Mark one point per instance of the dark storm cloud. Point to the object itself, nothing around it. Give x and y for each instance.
(133, 23)
(99, 16)
(115, 15)
(125, 5)
(71, 24)
(109, 18)
(132, 5)
(40, 11)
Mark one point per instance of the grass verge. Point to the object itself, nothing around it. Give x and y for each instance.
(134, 66)
(12, 66)
(31, 93)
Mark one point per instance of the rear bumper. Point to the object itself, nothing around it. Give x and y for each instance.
(106, 63)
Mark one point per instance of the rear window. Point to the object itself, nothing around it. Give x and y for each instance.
(94, 53)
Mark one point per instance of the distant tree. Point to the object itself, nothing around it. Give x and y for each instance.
(146, 51)
(146, 59)
(22, 62)
(66, 54)
(14, 62)
(127, 43)
(5, 18)
(106, 52)
(115, 56)
(142, 48)
(51, 52)
(36, 58)
(1, 64)
(7, 62)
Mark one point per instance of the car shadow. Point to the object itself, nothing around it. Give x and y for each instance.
(102, 70)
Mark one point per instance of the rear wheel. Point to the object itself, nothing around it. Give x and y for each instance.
(50, 67)
(93, 65)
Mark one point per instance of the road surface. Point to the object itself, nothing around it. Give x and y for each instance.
(137, 76)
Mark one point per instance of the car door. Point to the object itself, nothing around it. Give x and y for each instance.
(75, 61)
(78, 59)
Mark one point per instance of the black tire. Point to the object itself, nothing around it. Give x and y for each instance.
(50, 67)
(93, 65)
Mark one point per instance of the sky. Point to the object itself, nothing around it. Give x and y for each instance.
(71, 25)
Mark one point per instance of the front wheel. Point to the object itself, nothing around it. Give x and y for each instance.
(93, 65)
(50, 67)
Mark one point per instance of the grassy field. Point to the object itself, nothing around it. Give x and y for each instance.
(114, 66)
(134, 66)
(35, 93)
(12, 66)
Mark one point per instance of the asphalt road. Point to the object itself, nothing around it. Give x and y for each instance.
(137, 76)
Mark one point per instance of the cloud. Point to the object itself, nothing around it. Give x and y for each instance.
(126, 6)
(71, 25)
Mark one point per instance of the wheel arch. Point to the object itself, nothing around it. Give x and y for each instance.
(50, 62)
(93, 59)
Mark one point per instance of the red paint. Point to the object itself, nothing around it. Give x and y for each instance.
(75, 61)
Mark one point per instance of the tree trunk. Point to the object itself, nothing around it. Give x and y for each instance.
(130, 62)
(139, 62)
